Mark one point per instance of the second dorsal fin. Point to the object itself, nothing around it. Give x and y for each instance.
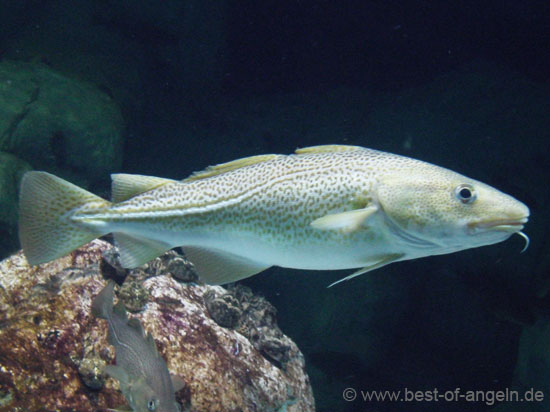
(135, 324)
(229, 166)
(124, 186)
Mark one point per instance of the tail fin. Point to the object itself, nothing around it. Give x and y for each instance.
(46, 231)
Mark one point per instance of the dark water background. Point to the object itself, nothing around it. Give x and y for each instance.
(461, 84)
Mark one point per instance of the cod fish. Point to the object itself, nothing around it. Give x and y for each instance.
(141, 371)
(323, 207)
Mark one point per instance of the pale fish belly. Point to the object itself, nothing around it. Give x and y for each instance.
(268, 238)
(326, 252)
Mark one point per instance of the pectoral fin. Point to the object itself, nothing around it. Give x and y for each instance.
(177, 382)
(216, 267)
(346, 221)
(118, 373)
(123, 408)
(378, 262)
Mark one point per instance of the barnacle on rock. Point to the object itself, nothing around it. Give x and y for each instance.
(133, 294)
(271, 343)
(91, 371)
(174, 264)
(253, 317)
(52, 285)
(182, 269)
(224, 309)
(110, 265)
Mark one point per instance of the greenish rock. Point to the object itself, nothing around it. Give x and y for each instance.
(11, 172)
(58, 123)
(76, 42)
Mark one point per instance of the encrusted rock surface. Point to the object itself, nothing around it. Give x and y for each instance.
(50, 344)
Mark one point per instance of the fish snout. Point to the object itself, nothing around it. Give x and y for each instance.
(512, 221)
(505, 225)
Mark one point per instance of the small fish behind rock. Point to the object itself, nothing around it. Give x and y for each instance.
(142, 372)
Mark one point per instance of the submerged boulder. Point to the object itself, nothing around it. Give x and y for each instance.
(53, 349)
(11, 172)
(58, 123)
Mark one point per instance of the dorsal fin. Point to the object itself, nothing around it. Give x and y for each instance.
(152, 345)
(135, 324)
(120, 310)
(124, 186)
(328, 148)
(229, 166)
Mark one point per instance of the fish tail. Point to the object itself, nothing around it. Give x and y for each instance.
(46, 230)
(102, 305)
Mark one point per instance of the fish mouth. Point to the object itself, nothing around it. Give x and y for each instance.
(503, 225)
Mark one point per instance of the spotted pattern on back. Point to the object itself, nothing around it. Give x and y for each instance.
(277, 198)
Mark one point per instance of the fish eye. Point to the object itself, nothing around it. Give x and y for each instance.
(465, 193)
(152, 404)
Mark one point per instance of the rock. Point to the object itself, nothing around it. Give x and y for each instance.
(11, 172)
(57, 123)
(254, 317)
(73, 41)
(53, 348)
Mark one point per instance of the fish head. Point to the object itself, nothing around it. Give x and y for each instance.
(442, 211)
(143, 398)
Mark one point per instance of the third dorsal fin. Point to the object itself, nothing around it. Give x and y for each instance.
(124, 186)
(328, 148)
(229, 166)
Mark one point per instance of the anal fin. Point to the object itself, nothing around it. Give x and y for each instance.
(216, 267)
(378, 262)
(136, 251)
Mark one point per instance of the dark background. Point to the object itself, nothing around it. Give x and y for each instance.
(461, 84)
